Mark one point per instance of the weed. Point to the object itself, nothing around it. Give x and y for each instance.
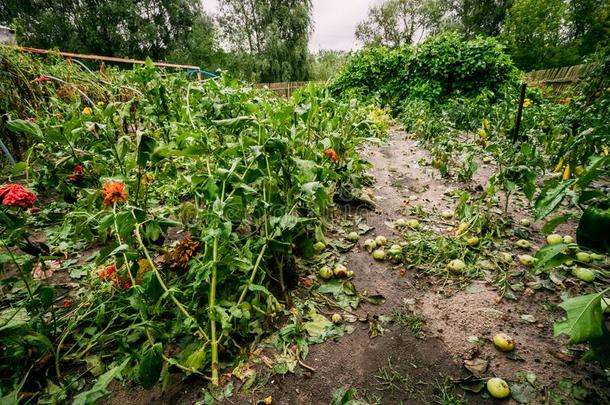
(410, 320)
(392, 379)
(446, 395)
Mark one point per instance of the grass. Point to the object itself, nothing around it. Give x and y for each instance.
(410, 320)
(392, 379)
(446, 396)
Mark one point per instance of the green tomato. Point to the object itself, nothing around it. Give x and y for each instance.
(498, 388)
(554, 239)
(524, 222)
(370, 245)
(472, 241)
(336, 318)
(456, 266)
(319, 246)
(325, 273)
(379, 254)
(503, 342)
(413, 224)
(597, 257)
(353, 236)
(568, 239)
(524, 244)
(447, 214)
(583, 257)
(505, 257)
(584, 274)
(527, 260)
(381, 240)
(400, 223)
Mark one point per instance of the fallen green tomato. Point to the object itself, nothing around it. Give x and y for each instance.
(503, 342)
(554, 239)
(498, 388)
(456, 266)
(319, 246)
(353, 236)
(370, 245)
(379, 254)
(524, 244)
(325, 273)
(381, 240)
(527, 260)
(584, 274)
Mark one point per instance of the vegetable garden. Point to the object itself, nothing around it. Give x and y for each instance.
(156, 226)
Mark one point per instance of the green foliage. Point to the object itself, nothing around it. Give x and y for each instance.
(244, 173)
(584, 323)
(153, 28)
(269, 38)
(441, 67)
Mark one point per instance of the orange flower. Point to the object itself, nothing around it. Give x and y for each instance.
(67, 303)
(332, 154)
(114, 192)
(108, 272)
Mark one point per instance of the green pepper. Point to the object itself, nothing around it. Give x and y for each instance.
(594, 229)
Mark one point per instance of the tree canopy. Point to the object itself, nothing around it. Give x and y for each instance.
(269, 37)
(134, 28)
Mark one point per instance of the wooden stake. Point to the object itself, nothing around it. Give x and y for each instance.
(519, 113)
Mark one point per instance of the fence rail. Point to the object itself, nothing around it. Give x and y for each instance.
(284, 89)
(560, 79)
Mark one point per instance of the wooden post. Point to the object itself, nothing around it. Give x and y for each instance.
(519, 113)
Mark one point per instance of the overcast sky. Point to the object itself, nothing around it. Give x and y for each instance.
(334, 22)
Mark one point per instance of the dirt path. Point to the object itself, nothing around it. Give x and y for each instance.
(422, 360)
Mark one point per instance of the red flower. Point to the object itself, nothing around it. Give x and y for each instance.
(114, 192)
(67, 304)
(127, 285)
(108, 272)
(332, 154)
(42, 79)
(15, 195)
(78, 174)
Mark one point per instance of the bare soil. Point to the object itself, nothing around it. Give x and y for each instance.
(452, 316)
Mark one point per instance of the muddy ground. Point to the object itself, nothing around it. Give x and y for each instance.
(452, 316)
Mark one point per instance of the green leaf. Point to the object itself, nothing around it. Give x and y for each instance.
(150, 367)
(317, 326)
(26, 127)
(584, 318)
(151, 286)
(551, 255)
(550, 225)
(197, 359)
(99, 389)
(550, 197)
(46, 296)
(146, 146)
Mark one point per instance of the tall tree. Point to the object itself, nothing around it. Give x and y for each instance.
(589, 24)
(478, 17)
(134, 28)
(270, 37)
(535, 35)
(395, 23)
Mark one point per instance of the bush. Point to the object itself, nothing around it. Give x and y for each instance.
(442, 67)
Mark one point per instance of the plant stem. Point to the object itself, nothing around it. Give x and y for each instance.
(212, 305)
(253, 275)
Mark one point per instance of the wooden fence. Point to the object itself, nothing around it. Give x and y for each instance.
(284, 89)
(560, 79)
